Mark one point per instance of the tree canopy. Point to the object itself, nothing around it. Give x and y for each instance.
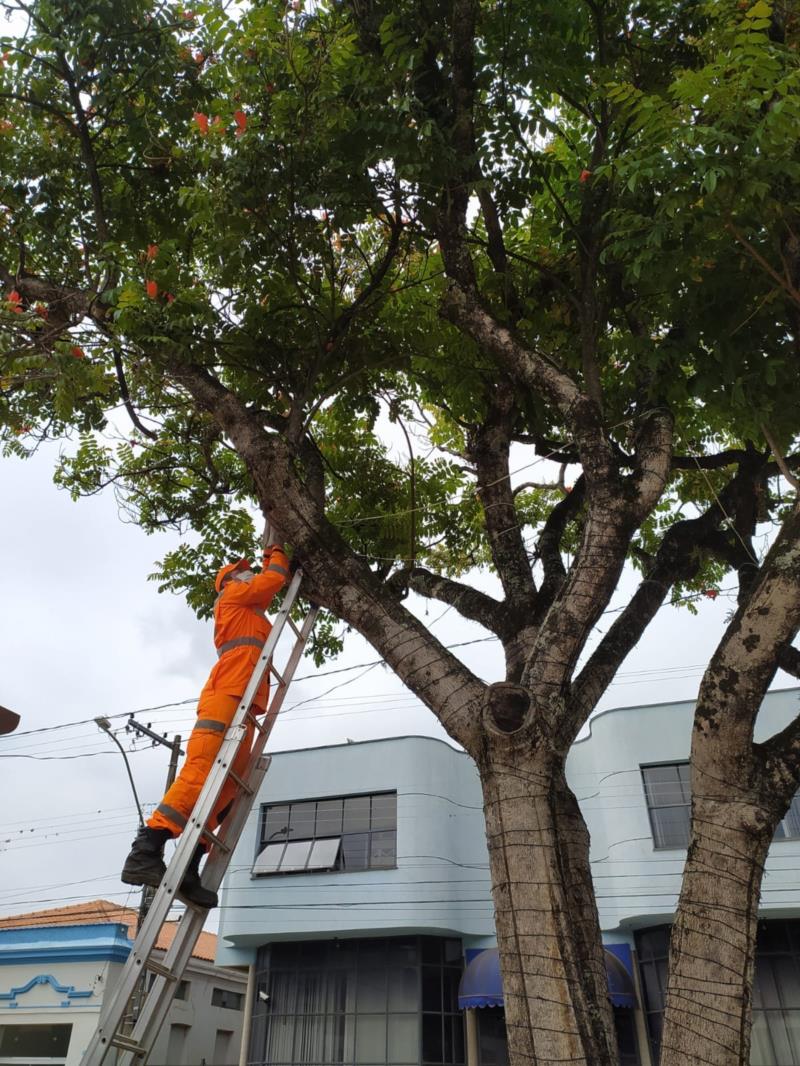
(239, 243)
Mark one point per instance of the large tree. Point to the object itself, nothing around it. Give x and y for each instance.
(253, 240)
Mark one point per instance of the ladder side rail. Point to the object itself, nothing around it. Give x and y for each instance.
(254, 773)
(113, 1013)
(162, 992)
(207, 800)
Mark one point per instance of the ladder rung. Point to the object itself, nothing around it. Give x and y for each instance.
(162, 971)
(255, 723)
(240, 781)
(275, 671)
(215, 841)
(126, 1044)
(292, 626)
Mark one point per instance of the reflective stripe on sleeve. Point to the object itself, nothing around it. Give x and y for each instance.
(173, 815)
(208, 725)
(239, 642)
(279, 569)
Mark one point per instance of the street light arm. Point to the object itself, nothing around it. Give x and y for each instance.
(105, 725)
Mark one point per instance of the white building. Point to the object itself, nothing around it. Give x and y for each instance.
(56, 966)
(359, 897)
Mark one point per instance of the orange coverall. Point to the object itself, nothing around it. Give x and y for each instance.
(240, 630)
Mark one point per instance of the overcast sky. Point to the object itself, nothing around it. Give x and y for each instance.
(84, 633)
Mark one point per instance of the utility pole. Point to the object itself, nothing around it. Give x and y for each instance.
(148, 892)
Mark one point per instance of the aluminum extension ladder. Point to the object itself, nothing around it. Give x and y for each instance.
(110, 1044)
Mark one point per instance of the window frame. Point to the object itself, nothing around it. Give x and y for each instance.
(654, 807)
(329, 827)
(782, 832)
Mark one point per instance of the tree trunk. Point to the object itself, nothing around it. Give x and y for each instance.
(712, 951)
(548, 932)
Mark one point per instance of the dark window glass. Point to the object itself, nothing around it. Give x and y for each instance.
(347, 833)
(776, 990)
(431, 988)
(355, 851)
(36, 1041)
(276, 822)
(383, 849)
(224, 997)
(384, 811)
(431, 949)
(357, 814)
(182, 991)
(329, 818)
(789, 828)
(358, 1003)
(492, 1041)
(666, 790)
(302, 818)
(626, 1037)
(432, 1042)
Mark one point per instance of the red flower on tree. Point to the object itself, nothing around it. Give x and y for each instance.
(152, 289)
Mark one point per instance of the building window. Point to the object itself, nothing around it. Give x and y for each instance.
(359, 1002)
(345, 833)
(666, 789)
(789, 827)
(776, 990)
(669, 803)
(176, 1046)
(25, 1042)
(224, 997)
(223, 1046)
(182, 991)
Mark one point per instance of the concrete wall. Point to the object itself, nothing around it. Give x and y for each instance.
(441, 884)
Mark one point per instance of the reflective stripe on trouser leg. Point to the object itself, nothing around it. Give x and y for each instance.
(213, 718)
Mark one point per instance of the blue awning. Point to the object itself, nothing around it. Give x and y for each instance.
(481, 985)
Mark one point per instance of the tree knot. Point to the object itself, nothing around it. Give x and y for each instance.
(507, 704)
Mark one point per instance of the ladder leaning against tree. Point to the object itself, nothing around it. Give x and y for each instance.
(109, 1039)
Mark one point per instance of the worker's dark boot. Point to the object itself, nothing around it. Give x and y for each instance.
(191, 891)
(145, 863)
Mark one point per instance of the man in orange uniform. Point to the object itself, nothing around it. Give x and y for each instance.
(240, 630)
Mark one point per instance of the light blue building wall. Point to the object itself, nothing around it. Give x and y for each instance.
(441, 883)
(637, 884)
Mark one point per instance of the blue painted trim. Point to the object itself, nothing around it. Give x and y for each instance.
(73, 943)
(46, 979)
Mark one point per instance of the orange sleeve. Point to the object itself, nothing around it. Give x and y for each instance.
(260, 591)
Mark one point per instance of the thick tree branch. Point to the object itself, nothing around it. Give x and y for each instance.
(333, 575)
(534, 370)
(789, 660)
(488, 449)
(678, 558)
(743, 665)
(469, 602)
(548, 549)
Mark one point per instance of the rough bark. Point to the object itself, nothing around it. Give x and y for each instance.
(740, 791)
(554, 982)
